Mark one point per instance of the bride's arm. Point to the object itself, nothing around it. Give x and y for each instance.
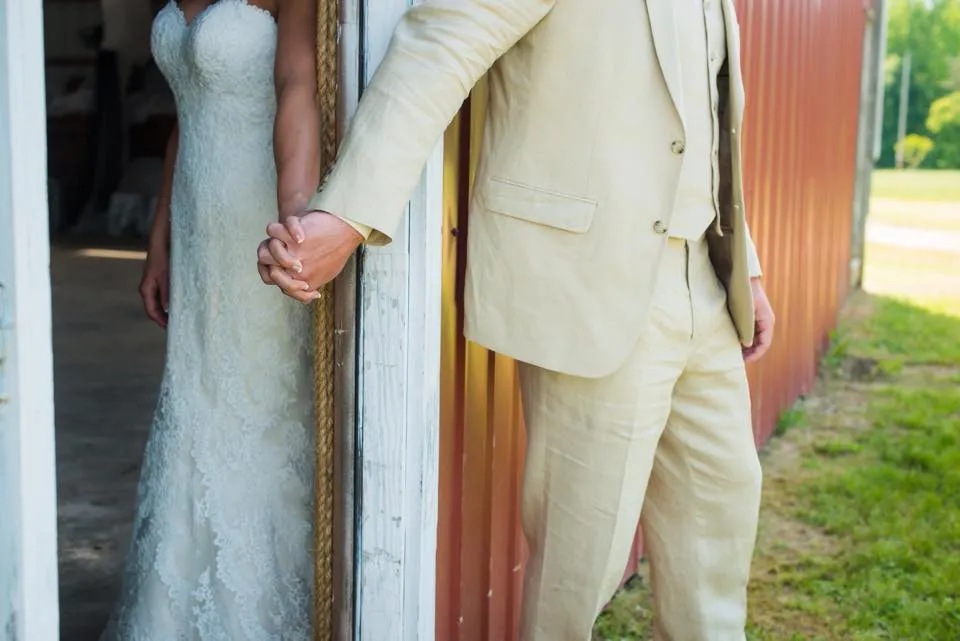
(155, 282)
(160, 228)
(296, 130)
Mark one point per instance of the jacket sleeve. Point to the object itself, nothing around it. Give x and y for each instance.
(363, 230)
(439, 51)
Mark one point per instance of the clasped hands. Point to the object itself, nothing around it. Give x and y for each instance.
(305, 252)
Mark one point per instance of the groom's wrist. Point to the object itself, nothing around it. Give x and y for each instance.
(360, 228)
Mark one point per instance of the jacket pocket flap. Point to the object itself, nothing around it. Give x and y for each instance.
(561, 211)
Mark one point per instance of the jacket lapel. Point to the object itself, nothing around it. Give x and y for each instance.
(664, 30)
(733, 62)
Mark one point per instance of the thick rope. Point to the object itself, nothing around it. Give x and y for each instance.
(327, 86)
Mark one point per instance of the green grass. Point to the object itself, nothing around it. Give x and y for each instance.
(789, 420)
(899, 509)
(900, 330)
(917, 185)
(860, 530)
(889, 494)
(860, 536)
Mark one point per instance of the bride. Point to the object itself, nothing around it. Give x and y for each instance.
(221, 546)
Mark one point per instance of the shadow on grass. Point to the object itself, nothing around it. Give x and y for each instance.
(899, 330)
(860, 528)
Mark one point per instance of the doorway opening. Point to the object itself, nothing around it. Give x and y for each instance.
(109, 115)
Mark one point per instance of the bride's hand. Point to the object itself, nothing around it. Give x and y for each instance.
(302, 256)
(155, 284)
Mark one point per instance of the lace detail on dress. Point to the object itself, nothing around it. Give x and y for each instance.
(221, 546)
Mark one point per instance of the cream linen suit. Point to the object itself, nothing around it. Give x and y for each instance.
(633, 382)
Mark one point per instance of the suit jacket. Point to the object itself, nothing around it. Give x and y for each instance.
(579, 168)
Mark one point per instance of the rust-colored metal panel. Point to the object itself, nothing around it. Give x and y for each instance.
(802, 61)
(480, 547)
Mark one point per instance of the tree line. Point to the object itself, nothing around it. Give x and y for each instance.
(930, 31)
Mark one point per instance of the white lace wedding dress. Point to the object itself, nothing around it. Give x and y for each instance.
(221, 545)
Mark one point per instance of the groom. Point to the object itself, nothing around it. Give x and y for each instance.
(609, 254)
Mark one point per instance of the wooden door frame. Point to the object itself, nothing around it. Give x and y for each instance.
(398, 395)
(29, 606)
(397, 373)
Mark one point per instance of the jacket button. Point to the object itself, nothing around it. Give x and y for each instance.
(659, 227)
(677, 147)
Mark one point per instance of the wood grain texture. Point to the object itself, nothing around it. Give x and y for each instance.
(400, 333)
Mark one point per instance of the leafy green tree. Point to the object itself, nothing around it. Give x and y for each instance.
(915, 149)
(944, 123)
(930, 30)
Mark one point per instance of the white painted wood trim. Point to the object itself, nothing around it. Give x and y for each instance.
(423, 416)
(28, 511)
(399, 398)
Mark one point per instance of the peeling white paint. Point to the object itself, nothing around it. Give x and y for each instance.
(400, 399)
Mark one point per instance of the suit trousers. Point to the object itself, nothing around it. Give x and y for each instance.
(667, 441)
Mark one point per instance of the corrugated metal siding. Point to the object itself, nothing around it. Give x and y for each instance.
(802, 63)
(480, 547)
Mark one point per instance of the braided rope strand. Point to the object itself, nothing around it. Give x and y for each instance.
(327, 91)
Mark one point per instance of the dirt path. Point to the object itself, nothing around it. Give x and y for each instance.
(910, 238)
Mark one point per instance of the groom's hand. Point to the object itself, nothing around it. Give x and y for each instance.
(305, 253)
(763, 334)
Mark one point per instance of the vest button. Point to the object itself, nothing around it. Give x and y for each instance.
(677, 147)
(659, 227)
